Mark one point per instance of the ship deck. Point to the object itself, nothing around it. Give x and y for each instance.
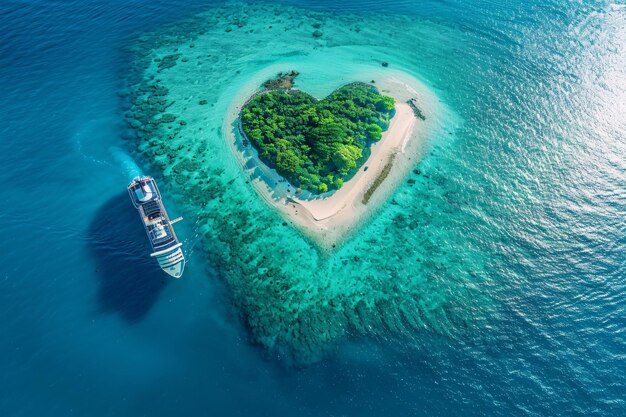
(153, 215)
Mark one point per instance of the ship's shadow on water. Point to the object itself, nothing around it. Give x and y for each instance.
(130, 281)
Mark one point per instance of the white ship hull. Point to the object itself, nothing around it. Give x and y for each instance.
(173, 263)
(166, 248)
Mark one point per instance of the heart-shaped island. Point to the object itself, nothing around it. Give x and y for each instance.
(324, 163)
(316, 145)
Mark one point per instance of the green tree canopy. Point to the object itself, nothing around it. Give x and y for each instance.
(316, 144)
(346, 157)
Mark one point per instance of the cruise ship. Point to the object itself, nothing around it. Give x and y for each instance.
(165, 245)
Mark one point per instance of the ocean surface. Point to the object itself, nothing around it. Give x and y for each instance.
(491, 283)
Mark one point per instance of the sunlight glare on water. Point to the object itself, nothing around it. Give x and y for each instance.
(490, 283)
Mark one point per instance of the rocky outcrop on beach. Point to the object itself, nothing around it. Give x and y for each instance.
(282, 81)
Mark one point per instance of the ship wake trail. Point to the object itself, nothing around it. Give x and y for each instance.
(92, 141)
(125, 161)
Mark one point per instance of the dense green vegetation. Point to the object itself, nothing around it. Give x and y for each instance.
(317, 144)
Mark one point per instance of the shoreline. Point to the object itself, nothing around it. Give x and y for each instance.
(328, 218)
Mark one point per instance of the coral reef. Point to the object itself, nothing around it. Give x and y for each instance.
(297, 301)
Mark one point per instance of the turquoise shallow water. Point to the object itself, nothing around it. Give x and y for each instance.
(511, 237)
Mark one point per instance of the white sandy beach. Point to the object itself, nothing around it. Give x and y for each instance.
(329, 217)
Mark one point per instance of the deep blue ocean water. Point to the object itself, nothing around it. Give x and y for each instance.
(89, 326)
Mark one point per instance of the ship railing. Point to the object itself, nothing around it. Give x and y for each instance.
(167, 223)
(153, 233)
(139, 182)
(174, 252)
(154, 185)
